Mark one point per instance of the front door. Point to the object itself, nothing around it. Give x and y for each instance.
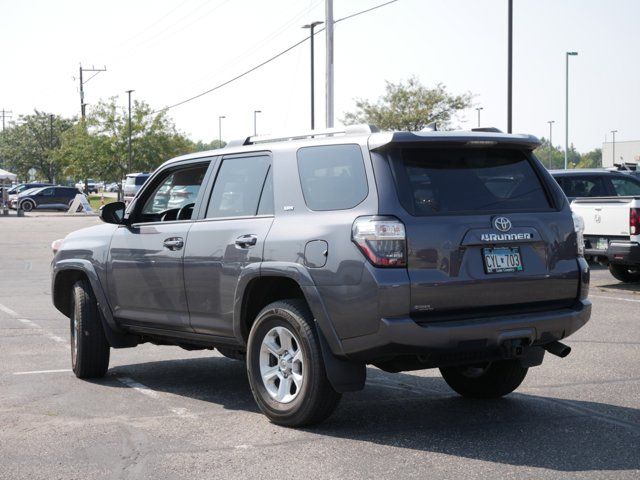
(228, 239)
(145, 276)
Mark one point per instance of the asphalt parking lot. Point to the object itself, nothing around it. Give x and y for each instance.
(163, 412)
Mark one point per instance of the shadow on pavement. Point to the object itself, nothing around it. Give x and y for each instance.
(421, 413)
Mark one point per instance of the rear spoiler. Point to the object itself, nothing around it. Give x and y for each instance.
(382, 140)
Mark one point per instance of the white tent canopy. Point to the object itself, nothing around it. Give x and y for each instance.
(4, 175)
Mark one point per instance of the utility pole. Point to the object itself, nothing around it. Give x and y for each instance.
(311, 26)
(329, 66)
(479, 109)
(566, 111)
(82, 82)
(220, 130)
(613, 155)
(510, 69)
(5, 114)
(255, 121)
(550, 122)
(130, 164)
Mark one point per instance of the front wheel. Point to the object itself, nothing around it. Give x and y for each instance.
(489, 380)
(89, 346)
(625, 273)
(27, 205)
(285, 366)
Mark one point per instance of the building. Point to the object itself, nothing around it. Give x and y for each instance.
(626, 152)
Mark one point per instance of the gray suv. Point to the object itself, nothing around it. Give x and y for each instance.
(311, 256)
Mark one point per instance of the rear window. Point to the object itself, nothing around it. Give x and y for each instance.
(433, 181)
(332, 176)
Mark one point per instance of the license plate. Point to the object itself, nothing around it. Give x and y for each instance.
(602, 244)
(502, 260)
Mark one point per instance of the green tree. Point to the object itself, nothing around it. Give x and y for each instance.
(201, 146)
(32, 142)
(553, 158)
(409, 105)
(592, 159)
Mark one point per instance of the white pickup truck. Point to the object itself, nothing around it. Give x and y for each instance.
(612, 233)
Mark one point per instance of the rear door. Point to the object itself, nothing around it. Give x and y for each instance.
(227, 239)
(484, 233)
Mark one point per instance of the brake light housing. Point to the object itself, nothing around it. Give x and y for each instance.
(634, 221)
(382, 239)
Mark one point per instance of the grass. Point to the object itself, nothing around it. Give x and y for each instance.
(94, 201)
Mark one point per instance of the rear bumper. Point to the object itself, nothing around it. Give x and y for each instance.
(403, 336)
(626, 253)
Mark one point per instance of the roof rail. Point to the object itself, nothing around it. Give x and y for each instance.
(487, 129)
(346, 130)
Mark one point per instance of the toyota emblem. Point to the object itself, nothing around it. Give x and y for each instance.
(502, 224)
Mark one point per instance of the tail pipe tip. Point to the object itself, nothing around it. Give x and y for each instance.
(558, 349)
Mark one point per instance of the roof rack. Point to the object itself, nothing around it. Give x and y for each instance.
(487, 129)
(346, 130)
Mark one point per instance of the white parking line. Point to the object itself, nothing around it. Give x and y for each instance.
(144, 390)
(620, 299)
(7, 310)
(49, 335)
(37, 372)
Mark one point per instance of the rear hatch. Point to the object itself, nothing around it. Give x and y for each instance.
(485, 233)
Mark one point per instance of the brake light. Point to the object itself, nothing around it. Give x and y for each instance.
(382, 240)
(634, 221)
(578, 226)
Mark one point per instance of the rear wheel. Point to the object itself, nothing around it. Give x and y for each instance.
(89, 346)
(625, 273)
(285, 366)
(489, 380)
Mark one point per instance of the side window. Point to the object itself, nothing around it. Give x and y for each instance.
(239, 184)
(332, 176)
(47, 192)
(584, 187)
(626, 186)
(177, 189)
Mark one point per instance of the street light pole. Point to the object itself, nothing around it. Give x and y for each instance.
(510, 68)
(566, 131)
(130, 164)
(478, 109)
(614, 145)
(329, 62)
(311, 26)
(550, 122)
(220, 129)
(255, 121)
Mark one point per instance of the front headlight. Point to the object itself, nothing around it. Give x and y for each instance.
(578, 226)
(56, 244)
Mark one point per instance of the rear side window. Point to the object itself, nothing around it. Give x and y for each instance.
(433, 181)
(583, 186)
(626, 186)
(239, 185)
(332, 176)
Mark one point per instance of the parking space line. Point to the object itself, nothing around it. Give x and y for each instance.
(620, 299)
(49, 335)
(38, 372)
(144, 390)
(7, 310)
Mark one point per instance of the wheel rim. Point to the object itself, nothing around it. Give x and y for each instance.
(74, 339)
(27, 207)
(281, 364)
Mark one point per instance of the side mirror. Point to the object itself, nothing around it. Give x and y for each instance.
(112, 212)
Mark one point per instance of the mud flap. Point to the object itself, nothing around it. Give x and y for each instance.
(344, 375)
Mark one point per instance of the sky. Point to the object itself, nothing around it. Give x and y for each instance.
(168, 51)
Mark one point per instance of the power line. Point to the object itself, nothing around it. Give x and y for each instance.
(271, 59)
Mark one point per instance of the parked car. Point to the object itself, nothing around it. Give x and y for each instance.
(310, 256)
(17, 189)
(581, 183)
(91, 186)
(132, 184)
(46, 198)
(112, 187)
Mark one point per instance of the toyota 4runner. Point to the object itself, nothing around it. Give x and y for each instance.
(311, 256)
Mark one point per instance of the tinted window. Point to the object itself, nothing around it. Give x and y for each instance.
(583, 186)
(179, 188)
(140, 179)
(238, 187)
(332, 176)
(626, 186)
(466, 180)
(47, 192)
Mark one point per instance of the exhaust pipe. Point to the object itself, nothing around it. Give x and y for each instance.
(559, 349)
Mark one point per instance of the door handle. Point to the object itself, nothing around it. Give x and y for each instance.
(173, 243)
(245, 241)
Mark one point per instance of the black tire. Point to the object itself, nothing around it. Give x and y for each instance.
(625, 273)
(89, 347)
(27, 205)
(316, 399)
(492, 380)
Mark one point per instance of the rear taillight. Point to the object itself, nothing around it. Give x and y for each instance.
(578, 226)
(382, 240)
(634, 221)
